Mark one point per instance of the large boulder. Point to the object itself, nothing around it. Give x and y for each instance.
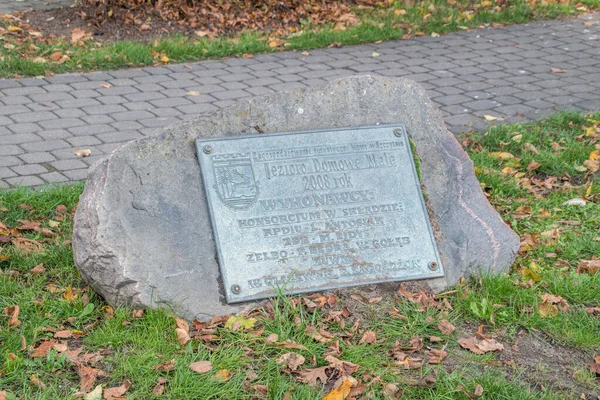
(143, 235)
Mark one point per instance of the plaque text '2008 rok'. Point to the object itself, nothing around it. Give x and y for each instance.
(308, 211)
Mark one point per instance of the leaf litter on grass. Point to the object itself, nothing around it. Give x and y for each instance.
(397, 343)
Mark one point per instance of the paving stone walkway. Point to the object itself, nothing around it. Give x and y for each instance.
(503, 72)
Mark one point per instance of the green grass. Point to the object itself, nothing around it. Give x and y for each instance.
(132, 347)
(378, 24)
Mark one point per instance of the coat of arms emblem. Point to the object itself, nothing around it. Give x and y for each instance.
(235, 183)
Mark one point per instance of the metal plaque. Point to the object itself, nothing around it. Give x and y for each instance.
(307, 211)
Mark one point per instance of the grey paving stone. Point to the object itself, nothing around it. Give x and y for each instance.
(29, 169)
(54, 177)
(49, 134)
(33, 117)
(24, 128)
(30, 180)
(39, 157)
(43, 146)
(66, 165)
(76, 174)
(9, 161)
(6, 172)
(61, 123)
(18, 138)
(10, 150)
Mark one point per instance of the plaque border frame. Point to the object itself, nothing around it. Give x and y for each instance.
(200, 146)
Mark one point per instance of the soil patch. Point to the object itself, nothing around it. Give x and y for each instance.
(145, 21)
(548, 364)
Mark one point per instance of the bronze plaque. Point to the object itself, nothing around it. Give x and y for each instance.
(308, 211)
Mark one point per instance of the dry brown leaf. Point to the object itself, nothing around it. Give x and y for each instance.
(312, 376)
(42, 349)
(64, 334)
(159, 389)
(550, 305)
(38, 269)
(531, 148)
(291, 360)
(13, 315)
(476, 394)
(201, 366)
(480, 346)
(87, 375)
(289, 344)
(272, 338)
(369, 337)
(557, 70)
(533, 166)
(34, 379)
(446, 327)
(166, 366)
(115, 393)
(436, 356)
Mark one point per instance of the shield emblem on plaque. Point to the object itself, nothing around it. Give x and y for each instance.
(235, 183)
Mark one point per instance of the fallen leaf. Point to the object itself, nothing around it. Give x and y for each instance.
(83, 153)
(557, 70)
(238, 322)
(436, 356)
(77, 34)
(201, 366)
(480, 346)
(501, 155)
(341, 392)
(369, 337)
(193, 93)
(13, 315)
(272, 338)
(222, 375)
(69, 294)
(289, 344)
(575, 202)
(38, 269)
(291, 360)
(533, 166)
(42, 349)
(64, 334)
(531, 148)
(159, 389)
(95, 394)
(106, 85)
(166, 366)
(492, 118)
(165, 59)
(375, 54)
(35, 380)
(87, 375)
(312, 376)
(446, 327)
(476, 394)
(116, 392)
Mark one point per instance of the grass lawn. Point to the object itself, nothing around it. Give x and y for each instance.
(542, 319)
(27, 54)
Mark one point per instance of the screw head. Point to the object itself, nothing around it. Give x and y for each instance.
(433, 266)
(398, 132)
(207, 149)
(236, 289)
